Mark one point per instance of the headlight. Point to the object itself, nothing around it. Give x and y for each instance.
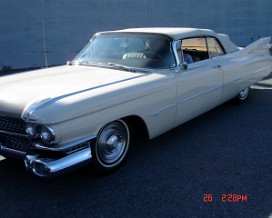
(47, 134)
(31, 130)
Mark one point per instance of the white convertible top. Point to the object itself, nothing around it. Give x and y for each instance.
(178, 33)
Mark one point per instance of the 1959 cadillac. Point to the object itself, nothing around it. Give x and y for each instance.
(60, 118)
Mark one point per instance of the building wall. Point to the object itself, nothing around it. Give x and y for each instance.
(35, 33)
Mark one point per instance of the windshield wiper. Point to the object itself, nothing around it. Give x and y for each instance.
(98, 64)
(130, 69)
(87, 63)
(122, 67)
(110, 64)
(80, 63)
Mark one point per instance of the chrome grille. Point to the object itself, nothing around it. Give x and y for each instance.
(16, 143)
(12, 125)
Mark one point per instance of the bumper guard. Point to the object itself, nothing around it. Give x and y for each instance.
(47, 167)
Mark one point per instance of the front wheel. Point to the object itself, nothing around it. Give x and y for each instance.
(242, 96)
(111, 147)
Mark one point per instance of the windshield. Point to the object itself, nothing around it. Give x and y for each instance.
(128, 50)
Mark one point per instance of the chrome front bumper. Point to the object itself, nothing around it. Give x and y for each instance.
(46, 167)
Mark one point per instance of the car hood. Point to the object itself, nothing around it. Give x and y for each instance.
(24, 92)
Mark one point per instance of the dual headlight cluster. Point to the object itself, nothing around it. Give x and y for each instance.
(44, 132)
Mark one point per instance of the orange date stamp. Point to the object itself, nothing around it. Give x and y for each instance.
(226, 198)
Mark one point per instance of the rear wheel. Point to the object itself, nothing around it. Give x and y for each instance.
(242, 96)
(111, 147)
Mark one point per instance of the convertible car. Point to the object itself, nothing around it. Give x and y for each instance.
(148, 79)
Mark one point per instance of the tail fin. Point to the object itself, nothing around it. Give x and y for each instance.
(261, 46)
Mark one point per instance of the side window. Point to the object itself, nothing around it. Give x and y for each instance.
(215, 48)
(194, 49)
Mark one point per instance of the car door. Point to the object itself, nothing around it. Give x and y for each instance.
(231, 66)
(199, 87)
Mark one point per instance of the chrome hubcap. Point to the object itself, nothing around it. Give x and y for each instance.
(243, 94)
(112, 143)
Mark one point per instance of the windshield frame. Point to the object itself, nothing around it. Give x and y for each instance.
(110, 64)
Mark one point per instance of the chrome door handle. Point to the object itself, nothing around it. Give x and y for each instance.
(217, 66)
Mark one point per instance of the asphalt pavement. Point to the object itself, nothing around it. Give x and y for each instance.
(217, 165)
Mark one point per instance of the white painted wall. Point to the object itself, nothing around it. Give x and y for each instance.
(66, 25)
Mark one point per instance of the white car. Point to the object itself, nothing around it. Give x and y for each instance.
(152, 79)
